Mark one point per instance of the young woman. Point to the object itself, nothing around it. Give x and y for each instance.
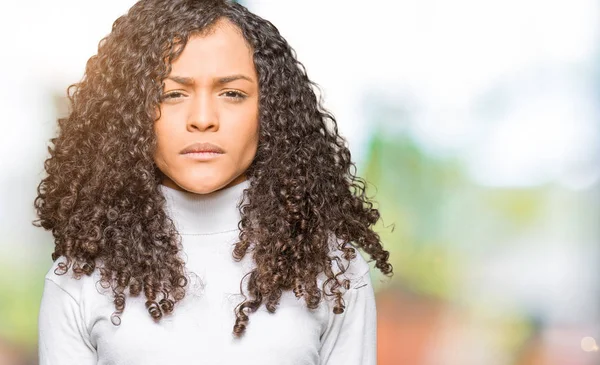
(204, 207)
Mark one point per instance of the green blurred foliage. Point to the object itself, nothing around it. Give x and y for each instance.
(20, 295)
(411, 191)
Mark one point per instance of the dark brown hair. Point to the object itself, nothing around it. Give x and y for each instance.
(102, 200)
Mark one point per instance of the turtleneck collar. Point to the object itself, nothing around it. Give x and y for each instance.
(212, 213)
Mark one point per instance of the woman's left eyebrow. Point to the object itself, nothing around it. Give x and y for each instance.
(188, 81)
(228, 79)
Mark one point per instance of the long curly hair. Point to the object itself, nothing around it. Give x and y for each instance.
(102, 200)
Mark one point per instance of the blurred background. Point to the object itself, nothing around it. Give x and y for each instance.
(476, 124)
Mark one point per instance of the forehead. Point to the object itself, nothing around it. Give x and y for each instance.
(221, 51)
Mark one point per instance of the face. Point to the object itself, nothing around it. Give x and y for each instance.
(207, 133)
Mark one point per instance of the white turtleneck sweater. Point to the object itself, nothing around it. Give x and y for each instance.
(75, 325)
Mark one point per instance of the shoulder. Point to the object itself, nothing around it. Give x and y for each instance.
(66, 279)
(356, 269)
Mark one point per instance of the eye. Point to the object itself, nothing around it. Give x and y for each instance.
(234, 95)
(172, 95)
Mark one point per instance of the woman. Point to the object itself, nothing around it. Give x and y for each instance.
(204, 207)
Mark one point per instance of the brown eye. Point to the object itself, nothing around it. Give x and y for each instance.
(172, 95)
(234, 95)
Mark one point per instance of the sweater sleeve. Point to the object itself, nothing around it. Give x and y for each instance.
(62, 335)
(351, 337)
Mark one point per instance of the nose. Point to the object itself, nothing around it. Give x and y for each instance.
(203, 115)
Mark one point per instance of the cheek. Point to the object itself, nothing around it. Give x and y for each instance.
(162, 141)
(241, 130)
(243, 141)
(250, 139)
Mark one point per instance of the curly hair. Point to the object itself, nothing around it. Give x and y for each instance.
(101, 198)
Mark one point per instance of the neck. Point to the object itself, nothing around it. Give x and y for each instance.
(197, 214)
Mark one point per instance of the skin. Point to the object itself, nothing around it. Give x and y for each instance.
(199, 105)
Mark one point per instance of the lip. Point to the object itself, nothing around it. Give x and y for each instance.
(202, 151)
(202, 148)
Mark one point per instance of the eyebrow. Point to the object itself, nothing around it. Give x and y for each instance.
(188, 81)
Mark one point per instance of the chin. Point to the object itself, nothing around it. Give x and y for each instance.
(201, 185)
(201, 188)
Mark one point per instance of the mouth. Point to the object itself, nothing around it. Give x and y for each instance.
(202, 149)
(200, 152)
